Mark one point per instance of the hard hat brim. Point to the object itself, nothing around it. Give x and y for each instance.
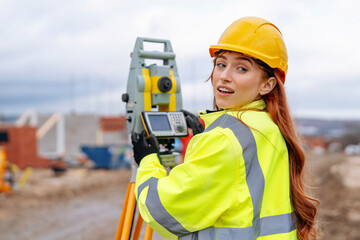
(274, 62)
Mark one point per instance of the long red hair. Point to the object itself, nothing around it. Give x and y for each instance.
(305, 206)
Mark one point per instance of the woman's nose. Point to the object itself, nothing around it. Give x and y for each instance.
(226, 75)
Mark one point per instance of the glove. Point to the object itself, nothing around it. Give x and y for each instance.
(142, 146)
(193, 122)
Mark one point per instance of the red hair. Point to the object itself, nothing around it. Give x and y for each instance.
(305, 207)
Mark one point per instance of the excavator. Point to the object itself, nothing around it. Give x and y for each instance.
(6, 176)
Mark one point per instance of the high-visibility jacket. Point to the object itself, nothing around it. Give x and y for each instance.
(234, 182)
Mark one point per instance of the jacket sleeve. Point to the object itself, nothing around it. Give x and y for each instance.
(194, 194)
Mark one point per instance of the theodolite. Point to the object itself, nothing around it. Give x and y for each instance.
(153, 98)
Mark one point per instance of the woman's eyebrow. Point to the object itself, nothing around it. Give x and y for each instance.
(237, 58)
(244, 58)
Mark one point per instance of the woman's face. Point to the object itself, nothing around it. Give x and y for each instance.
(237, 80)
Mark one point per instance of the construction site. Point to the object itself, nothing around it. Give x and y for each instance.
(60, 190)
(66, 176)
(71, 175)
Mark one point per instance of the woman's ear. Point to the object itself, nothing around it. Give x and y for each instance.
(268, 86)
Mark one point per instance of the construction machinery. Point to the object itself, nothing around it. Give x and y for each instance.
(6, 176)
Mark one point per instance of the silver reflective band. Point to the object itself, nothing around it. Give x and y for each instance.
(157, 210)
(268, 225)
(254, 175)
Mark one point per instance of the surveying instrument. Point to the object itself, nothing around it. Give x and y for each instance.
(153, 103)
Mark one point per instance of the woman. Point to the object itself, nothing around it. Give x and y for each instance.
(241, 177)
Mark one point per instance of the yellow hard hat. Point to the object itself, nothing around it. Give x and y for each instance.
(257, 38)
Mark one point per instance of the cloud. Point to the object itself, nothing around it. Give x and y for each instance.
(50, 44)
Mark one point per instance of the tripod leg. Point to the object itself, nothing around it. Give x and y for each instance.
(138, 227)
(148, 233)
(123, 213)
(129, 213)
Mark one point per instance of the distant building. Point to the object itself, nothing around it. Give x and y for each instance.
(352, 149)
(315, 143)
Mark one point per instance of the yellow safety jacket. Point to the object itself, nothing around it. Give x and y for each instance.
(234, 183)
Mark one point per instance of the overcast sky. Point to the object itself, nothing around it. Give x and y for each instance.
(74, 55)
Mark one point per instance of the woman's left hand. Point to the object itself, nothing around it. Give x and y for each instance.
(143, 146)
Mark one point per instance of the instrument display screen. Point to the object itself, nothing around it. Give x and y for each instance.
(159, 122)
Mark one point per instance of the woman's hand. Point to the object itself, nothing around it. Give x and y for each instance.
(142, 146)
(193, 122)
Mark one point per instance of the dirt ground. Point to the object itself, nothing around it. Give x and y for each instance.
(80, 204)
(86, 204)
(336, 181)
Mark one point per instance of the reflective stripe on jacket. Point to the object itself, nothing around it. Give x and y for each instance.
(233, 184)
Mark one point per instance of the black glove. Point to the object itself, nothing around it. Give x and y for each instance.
(142, 146)
(193, 122)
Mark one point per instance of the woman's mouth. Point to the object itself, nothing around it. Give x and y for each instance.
(225, 91)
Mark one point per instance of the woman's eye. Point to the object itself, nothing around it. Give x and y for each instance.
(242, 69)
(221, 65)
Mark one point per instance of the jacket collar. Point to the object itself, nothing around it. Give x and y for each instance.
(211, 116)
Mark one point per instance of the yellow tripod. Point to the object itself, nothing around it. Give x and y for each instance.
(127, 215)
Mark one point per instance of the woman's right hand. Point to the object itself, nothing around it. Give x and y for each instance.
(193, 122)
